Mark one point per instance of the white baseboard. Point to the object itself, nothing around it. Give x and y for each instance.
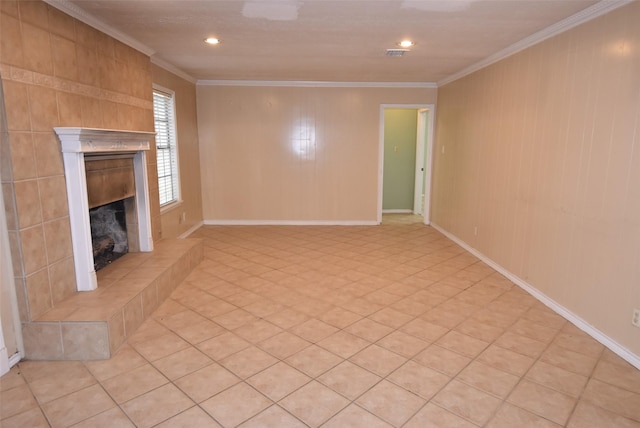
(290, 223)
(191, 230)
(397, 211)
(14, 359)
(583, 325)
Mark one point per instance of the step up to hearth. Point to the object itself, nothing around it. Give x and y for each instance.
(93, 324)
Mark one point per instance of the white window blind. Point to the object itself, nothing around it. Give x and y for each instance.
(166, 153)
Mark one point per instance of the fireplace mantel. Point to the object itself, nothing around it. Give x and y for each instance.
(75, 143)
(92, 140)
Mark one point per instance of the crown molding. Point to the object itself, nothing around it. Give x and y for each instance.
(76, 12)
(601, 8)
(172, 69)
(316, 84)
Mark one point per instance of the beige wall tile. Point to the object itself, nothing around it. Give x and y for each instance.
(63, 280)
(53, 192)
(10, 7)
(6, 173)
(57, 235)
(42, 341)
(125, 76)
(164, 287)
(139, 82)
(35, 57)
(70, 109)
(109, 114)
(34, 253)
(133, 315)
(34, 12)
(21, 297)
(48, 154)
(105, 45)
(86, 35)
(61, 24)
(88, 65)
(16, 253)
(38, 293)
(43, 106)
(149, 300)
(10, 206)
(116, 331)
(126, 116)
(16, 99)
(28, 203)
(109, 77)
(85, 341)
(10, 40)
(22, 155)
(65, 63)
(124, 53)
(91, 112)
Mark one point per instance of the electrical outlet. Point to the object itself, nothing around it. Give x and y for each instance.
(636, 318)
(183, 217)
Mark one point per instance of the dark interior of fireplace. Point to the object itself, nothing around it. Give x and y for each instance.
(108, 233)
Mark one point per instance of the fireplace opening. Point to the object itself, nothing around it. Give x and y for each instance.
(108, 233)
(112, 207)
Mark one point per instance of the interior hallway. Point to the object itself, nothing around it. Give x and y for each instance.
(390, 325)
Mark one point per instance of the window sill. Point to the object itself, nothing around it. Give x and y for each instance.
(170, 207)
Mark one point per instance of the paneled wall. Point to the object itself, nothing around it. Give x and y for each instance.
(541, 168)
(293, 154)
(189, 213)
(57, 71)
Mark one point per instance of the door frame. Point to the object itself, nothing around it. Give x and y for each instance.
(426, 209)
(8, 292)
(421, 146)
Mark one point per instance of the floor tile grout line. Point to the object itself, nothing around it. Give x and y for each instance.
(584, 387)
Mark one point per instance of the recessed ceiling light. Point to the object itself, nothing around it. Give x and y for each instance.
(211, 40)
(405, 43)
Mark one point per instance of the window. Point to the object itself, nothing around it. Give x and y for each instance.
(166, 146)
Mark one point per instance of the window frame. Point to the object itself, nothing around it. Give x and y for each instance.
(173, 147)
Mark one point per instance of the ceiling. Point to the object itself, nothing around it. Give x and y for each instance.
(324, 40)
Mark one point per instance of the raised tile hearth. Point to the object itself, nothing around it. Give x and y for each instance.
(93, 324)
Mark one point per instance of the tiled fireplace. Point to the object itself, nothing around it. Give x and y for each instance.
(110, 305)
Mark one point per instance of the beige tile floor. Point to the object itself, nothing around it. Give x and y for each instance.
(381, 326)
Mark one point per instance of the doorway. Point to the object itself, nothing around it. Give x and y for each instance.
(405, 159)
